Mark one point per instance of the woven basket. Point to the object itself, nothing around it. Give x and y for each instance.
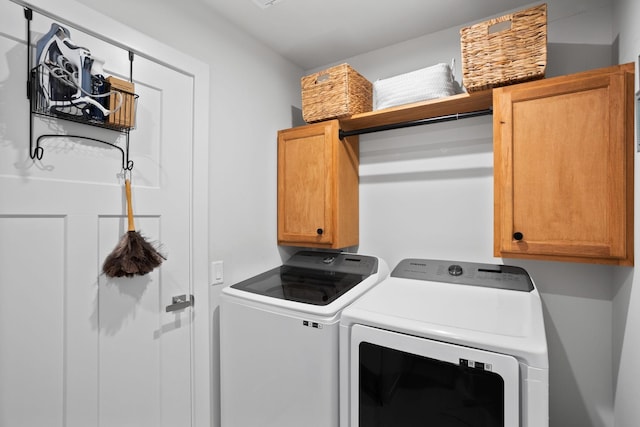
(124, 117)
(335, 93)
(505, 50)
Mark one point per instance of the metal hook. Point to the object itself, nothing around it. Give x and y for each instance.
(126, 174)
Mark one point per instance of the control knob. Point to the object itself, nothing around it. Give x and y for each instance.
(455, 270)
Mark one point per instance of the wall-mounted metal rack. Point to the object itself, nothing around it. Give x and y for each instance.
(40, 105)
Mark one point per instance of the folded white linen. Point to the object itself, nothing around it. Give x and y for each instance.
(431, 82)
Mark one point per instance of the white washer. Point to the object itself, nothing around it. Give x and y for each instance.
(279, 336)
(445, 343)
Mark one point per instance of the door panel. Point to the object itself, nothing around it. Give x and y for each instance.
(32, 352)
(305, 199)
(129, 348)
(83, 349)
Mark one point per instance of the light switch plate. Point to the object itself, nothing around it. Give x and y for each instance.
(216, 273)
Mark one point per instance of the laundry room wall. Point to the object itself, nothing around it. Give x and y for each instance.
(626, 301)
(428, 192)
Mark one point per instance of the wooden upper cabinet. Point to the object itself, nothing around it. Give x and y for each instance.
(563, 168)
(317, 187)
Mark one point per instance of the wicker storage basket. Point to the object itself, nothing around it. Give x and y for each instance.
(337, 92)
(124, 117)
(493, 55)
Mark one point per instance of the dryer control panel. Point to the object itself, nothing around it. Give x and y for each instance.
(465, 273)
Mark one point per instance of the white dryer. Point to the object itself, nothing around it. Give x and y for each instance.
(445, 343)
(279, 333)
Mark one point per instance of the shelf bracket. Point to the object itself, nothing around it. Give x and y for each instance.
(440, 119)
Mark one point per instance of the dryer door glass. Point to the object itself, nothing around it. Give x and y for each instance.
(404, 390)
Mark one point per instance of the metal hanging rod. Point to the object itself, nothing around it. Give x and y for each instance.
(441, 119)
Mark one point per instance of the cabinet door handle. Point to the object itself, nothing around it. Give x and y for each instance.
(319, 231)
(518, 236)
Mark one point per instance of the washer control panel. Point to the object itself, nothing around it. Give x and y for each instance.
(465, 273)
(338, 262)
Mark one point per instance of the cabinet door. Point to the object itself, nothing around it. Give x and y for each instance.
(306, 184)
(563, 168)
(318, 187)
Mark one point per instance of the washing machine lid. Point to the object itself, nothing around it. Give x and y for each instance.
(309, 277)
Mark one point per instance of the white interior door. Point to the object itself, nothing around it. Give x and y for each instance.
(78, 348)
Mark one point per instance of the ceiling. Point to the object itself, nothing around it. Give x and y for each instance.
(313, 33)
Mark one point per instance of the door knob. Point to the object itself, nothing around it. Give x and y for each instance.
(179, 302)
(518, 236)
(319, 231)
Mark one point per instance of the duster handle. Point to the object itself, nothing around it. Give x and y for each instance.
(127, 186)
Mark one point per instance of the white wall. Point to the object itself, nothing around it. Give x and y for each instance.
(428, 192)
(626, 302)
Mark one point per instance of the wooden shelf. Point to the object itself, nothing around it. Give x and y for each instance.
(462, 103)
